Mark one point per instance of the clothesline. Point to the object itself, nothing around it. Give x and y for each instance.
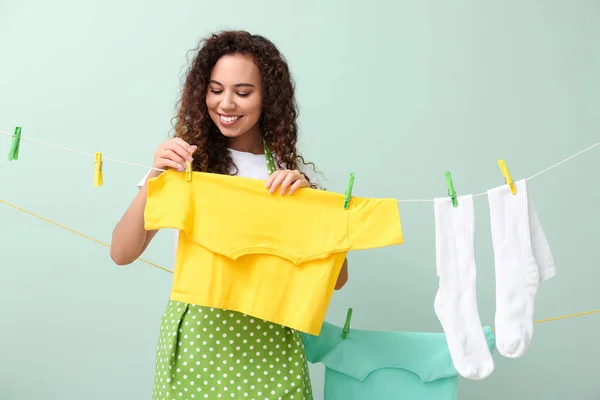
(399, 200)
(79, 152)
(169, 271)
(527, 179)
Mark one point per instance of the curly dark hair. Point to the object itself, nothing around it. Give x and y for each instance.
(279, 108)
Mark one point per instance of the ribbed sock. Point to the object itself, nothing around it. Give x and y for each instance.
(456, 300)
(522, 261)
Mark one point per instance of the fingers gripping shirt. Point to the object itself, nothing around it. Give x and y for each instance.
(270, 256)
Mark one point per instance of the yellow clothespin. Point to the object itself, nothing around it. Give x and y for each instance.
(98, 180)
(508, 179)
(188, 171)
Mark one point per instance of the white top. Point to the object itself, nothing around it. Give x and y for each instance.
(248, 166)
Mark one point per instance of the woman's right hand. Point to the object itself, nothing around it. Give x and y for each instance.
(173, 154)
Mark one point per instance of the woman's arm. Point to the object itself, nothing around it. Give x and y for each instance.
(343, 276)
(129, 238)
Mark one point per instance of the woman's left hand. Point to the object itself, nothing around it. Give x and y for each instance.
(292, 179)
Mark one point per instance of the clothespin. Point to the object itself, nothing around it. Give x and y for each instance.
(347, 324)
(507, 178)
(188, 171)
(349, 191)
(13, 153)
(98, 180)
(451, 191)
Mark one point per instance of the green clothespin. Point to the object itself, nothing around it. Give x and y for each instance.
(347, 324)
(451, 191)
(13, 153)
(349, 191)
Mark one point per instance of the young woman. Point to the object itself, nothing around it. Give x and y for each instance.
(238, 101)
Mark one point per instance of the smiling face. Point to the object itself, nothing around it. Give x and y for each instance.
(234, 101)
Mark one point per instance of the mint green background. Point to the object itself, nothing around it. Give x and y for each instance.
(395, 93)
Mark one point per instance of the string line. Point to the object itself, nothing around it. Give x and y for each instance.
(81, 152)
(400, 200)
(527, 179)
(539, 321)
(563, 161)
(78, 233)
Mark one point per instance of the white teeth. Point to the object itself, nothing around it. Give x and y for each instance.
(228, 119)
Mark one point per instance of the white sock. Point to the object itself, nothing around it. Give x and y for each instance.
(522, 260)
(456, 300)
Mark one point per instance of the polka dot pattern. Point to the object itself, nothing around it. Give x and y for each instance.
(207, 353)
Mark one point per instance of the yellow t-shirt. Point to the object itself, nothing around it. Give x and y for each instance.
(270, 256)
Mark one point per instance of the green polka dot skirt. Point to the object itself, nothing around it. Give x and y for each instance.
(207, 353)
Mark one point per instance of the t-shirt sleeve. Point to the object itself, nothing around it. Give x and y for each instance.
(168, 203)
(324, 346)
(175, 232)
(373, 223)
